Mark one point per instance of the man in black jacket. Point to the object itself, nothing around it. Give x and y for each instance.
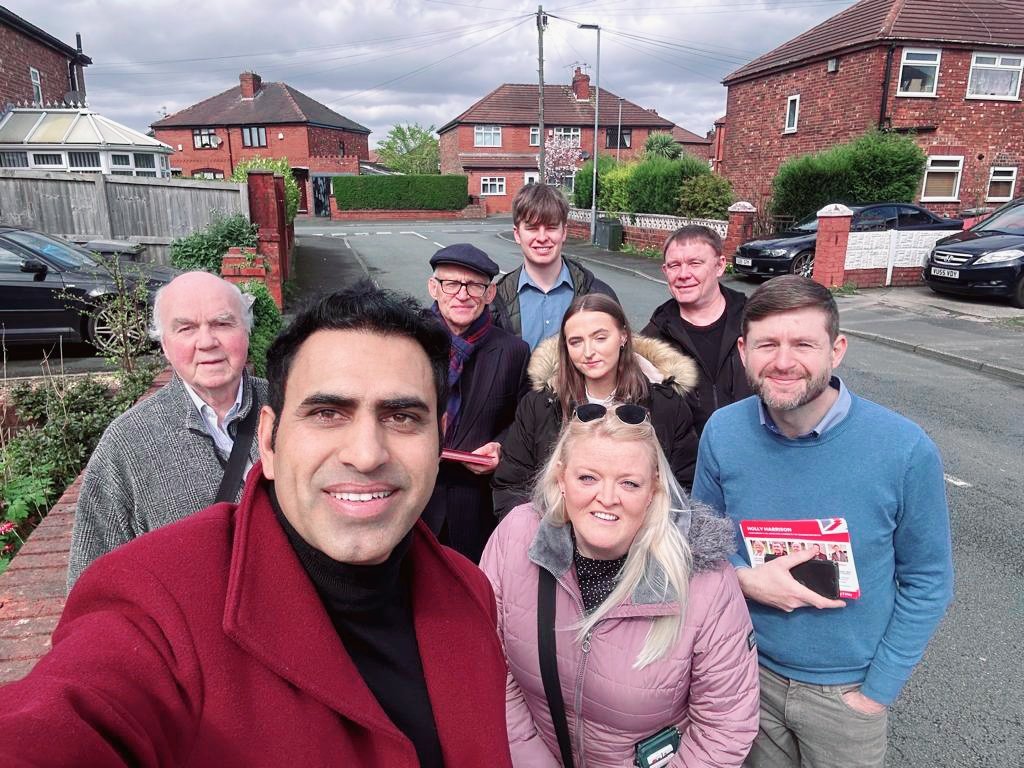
(531, 299)
(487, 377)
(702, 319)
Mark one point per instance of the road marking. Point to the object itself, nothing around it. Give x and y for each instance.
(437, 244)
(361, 233)
(957, 482)
(422, 237)
(382, 233)
(338, 234)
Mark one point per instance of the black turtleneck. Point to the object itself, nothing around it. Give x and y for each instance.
(597, 578)
(371, 609)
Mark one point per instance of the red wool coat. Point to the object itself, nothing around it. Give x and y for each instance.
(205, 644)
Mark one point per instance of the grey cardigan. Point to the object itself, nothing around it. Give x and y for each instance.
(155, 464)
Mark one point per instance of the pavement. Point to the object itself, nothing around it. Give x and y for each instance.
(983, 335)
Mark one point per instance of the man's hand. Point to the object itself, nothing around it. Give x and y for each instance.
(773, 584)
(858, 701)
(491, 451)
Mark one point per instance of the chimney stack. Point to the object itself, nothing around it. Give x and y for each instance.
(581, 85)
(250, 83)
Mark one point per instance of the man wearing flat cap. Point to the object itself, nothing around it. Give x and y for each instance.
(486, 376)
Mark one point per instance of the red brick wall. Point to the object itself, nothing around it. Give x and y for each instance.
(19, 52)
(448, 147)
(328, 141)
(839, 106)
(875, 278)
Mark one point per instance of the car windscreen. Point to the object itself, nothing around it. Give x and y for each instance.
(810, 224)
(64, 255)
(1010, 221)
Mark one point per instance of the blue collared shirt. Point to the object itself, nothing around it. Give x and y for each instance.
(541, 313)
(839, 410)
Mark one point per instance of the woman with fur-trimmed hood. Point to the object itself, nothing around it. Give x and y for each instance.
(596, 359)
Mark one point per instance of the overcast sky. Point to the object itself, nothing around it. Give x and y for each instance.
(425, 61)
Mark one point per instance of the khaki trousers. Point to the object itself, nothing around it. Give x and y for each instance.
(810, 726)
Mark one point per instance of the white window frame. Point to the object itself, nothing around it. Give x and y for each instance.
(484, 135)
(959, 178)
(498, 183)
(534, 135)
(531, 177)
(1018, 68)
(903, 62)
(98, 168)
(791, 101)
(1010, 175)
(47, 166)
(573, 133)
(37, 85)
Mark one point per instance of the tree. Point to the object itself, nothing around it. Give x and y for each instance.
(662, 145)
(410, 149)
(561, 156)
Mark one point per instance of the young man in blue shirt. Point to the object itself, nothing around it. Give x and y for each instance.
(807, 448)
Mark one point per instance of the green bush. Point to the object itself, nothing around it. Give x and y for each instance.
(662, 144)
(277, 165)
(878, 166)
(583, 187)
(266, 323)
(428, 192)
(205, 248)
(613, 188)
(654, 184)
(707, 196)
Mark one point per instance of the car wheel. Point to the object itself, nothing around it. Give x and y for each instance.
(1018, 294)
(104, 337)
(802, 264)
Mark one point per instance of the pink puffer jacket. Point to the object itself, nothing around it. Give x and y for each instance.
(706, 686)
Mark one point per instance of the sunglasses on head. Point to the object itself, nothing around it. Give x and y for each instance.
(627, 413)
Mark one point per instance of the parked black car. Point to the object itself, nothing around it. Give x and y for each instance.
(985, 260)
(47, 283)
(792, 251)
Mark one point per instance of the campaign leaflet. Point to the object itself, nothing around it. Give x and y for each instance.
(829, 537)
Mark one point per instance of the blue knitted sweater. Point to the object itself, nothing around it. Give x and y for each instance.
(882, 474)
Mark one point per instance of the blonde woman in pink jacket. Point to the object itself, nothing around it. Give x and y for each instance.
(656, 664)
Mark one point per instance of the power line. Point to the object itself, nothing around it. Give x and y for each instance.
(699, 10)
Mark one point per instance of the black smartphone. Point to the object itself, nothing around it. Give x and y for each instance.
(821, 576)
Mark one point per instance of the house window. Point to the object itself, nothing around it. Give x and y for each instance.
(37, 86)
(204, 138)
(1000, 184)
(13, 159)
(84, 161)
(254, 136)
(616, 139)
(208, 173)
(48, 160)
(145, 165)
(487, 136)
(492, 185)
(919, 73)
(792, 113)
(942, 179)
(994, 76)
(572, 135)
(534, 135)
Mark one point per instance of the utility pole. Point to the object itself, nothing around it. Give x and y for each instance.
(542, 21)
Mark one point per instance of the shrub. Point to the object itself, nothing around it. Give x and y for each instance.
(707, 196)
(654, 184)
(266, 324)
(662, 144)
(277, 165)
(205, 248)
(583, 186)
(613, 188)
(429, 193)
(878, 166)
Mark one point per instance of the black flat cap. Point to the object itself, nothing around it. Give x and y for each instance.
(468, 256)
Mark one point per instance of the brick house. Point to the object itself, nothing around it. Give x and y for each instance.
(947, 72)
(257, 119)
(495, 142)
(36, 68)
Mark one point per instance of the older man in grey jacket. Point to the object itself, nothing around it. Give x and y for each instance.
(166, 457)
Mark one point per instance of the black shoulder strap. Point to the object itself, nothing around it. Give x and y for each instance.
(549, 662)
(232, 480)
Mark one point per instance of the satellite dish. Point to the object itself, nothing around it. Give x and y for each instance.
(215, 141)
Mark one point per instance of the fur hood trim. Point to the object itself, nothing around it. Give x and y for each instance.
(676, 369)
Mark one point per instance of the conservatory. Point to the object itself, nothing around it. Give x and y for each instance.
(77, 140)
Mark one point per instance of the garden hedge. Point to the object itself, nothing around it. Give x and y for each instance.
(427, 193)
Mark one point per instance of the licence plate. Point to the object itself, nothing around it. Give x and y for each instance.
(945, 273)
(743, 262)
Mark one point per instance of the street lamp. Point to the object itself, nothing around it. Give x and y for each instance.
(597, 102)
(618, 137)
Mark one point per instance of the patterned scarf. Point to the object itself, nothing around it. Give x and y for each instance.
(462, 348)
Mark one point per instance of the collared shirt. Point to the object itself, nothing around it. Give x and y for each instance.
(221, 438)
(541, 312)
(839, 410)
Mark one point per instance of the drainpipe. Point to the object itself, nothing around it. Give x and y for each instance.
(883, 107)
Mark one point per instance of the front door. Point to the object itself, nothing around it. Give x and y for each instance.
(322, 195)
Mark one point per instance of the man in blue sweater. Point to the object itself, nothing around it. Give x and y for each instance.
(805, 447)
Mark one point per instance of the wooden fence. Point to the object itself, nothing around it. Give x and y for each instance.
(91, 206)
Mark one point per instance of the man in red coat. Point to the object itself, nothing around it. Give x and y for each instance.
(315, 623)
